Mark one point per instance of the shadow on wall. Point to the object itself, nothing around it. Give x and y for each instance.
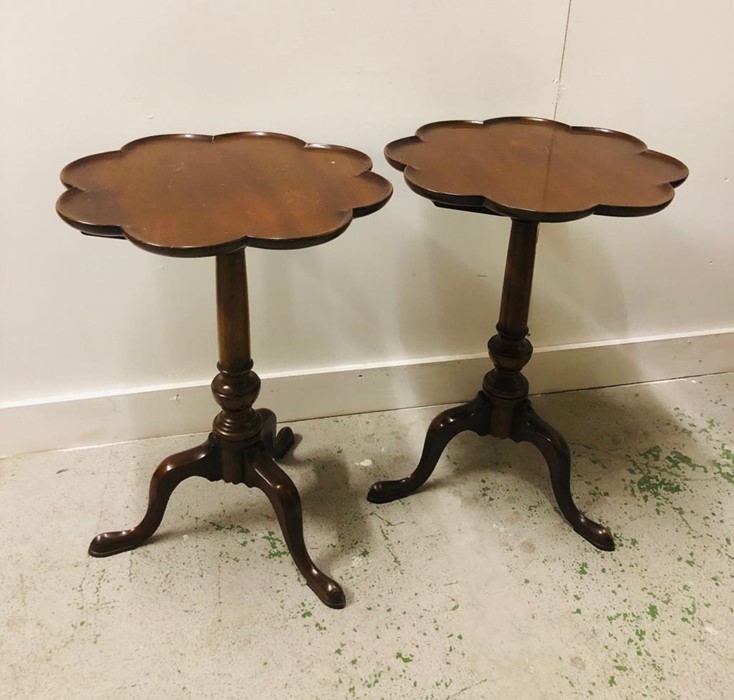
(455, 285)
(176, 297)
(567, 289)
(320, 307)
(459, 258)
(184, 306)
(575, 301)
(584, 285)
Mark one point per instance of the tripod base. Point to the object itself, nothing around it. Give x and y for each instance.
(484, 417)
(258, 469)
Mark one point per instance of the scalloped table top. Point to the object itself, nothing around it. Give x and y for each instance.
(535, 169)
(191, 195)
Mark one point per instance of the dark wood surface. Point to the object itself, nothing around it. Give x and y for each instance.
(192, 195)
(531, 170)
(535, 169)
(242, 448)
(502, 408)
(186, 196)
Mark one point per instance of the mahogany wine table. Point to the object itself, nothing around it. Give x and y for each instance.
(190, 196)
(532, 171)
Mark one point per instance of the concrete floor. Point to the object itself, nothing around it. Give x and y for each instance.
(472, 588)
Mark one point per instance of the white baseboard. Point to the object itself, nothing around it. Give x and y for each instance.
(81, 420)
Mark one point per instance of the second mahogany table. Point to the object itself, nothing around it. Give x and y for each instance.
(192, 196)
(530, 170)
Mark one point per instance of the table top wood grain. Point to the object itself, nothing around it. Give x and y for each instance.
(535, 169)
(191, 195)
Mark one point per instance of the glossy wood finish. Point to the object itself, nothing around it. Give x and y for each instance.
(242, 447)
(200, 461)
(188, 195)
(533, 170)
(191, 195)
(474, 416)
(536, 169)
(502, 409)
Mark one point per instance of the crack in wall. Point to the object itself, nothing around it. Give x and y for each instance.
(563, 58)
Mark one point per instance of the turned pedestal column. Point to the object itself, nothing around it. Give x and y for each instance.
(194, 196)
(532, 171)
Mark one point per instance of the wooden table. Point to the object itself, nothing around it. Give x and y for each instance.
(192, 196)
(532, 171)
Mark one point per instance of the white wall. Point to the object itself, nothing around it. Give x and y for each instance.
(90, 316)
(662, 71)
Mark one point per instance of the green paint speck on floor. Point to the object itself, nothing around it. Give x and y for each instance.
(219, 577)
